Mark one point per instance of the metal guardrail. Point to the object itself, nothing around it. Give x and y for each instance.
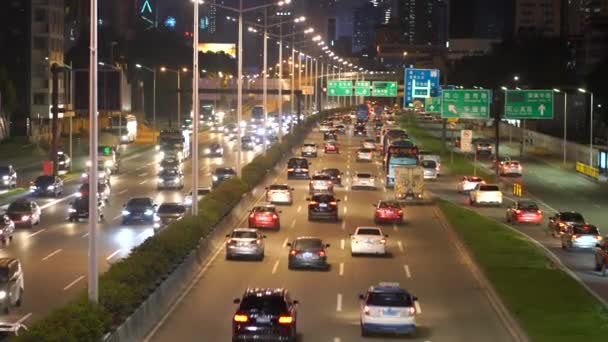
(587, 170)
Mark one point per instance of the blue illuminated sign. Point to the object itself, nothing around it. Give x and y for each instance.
(420, 84)
(146, 7)
(170, 22)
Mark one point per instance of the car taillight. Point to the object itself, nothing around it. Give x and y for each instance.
(241, 318)
(561, 224)
(574, 237)
(599, 238)
(330, 183)
(294, 252)
(285, 319)
(411, 310)
(383, 241)
(290, 169)
(256, 242)
(366, 310)
(304, 170)
(333, 203)
(539, 212)
(518, 211)
(274, 216)
(399, 211)
(313, 202)
(483, 182)
(230, 241)
(252, 215)
(321, 253)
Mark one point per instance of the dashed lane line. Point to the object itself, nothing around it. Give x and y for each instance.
(36, 233)
(293, 224)
(112, 255)
(406, 268)
(24, 318)
(400, 245)
(339, 303)
(285, 242)
(68, 286)
(52, 254)
(342, 244)
(275, 267)
(341, 271)
(418, 309)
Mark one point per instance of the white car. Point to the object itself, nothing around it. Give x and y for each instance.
(387, 308)
(245, 242)
(363, 180)
(364, 154)
(368, 240)
(320, 183)
(433, 157)
(468, 183)
(512, 167)
(430, 169)
(103, 175)
(309, 150)
(202, 192)
(485, 194)
(279, 193)
(369, 144)
(325, 128)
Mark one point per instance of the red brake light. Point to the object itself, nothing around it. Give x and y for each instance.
(256, 242)
(366, 310)
(321, 253)
(333, 203)
(285, 319)
(274, 216)
(539, 212)
(313, 202)
(252, 215)
(574, 237)
(290, 169)
(518, 211)
(294, 252)
(411, 310)
(229, 241)
(304, 170)
(383, 241)
(241, 318)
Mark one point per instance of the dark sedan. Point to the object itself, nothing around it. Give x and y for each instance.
(220, 175)
(47, 186)
(168, 213)
(79, 209)
(140, 209)
(214, 150)
(323, 206)
(307, 252)
(24, 212)
(334, 174)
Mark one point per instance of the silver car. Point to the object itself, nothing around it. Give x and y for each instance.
(364, 154)
(279, 194)
(167, 213)
(430, 169)
(320, 183)
(245, 242)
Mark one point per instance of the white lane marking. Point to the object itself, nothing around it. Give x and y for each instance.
(339, 303)
(117, 217)
(345, 209)
(400, 245)
(406, 268)
(596, 205)
(52, 254)
(123, 191)
(141, 234)
(143, 182)
(52, 203)
(112, 255)
(394, 227)
(85, 235)
(384, 189)
(24, 318)
(337, 339)
(345, 198)
(293, 224)
(275, 267)
(73, 283)
(299, 208)
(285, 242)
(36, 233)
(143, 174)
(418, 309)
(343, 224)
(341, 272)
(342, 242)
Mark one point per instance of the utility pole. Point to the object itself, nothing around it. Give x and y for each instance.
(55, 70)
(265, 79)
(239, 85)
(195, 111)
(280, 109)
(93, 274)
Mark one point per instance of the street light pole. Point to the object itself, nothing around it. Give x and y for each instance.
(293, 75)
(154, 105)
(591, 133)
(179, 97)
(239, 85)
(265, 79)
(564, 141)
(93, 272)
(280, 109)
(195, 110)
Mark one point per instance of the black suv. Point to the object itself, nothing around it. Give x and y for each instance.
(360, 131)
(298, 168)
(323, 206)
(221, 174)
(265, 315)
(139, 209)
(79, 209)
(47, 185)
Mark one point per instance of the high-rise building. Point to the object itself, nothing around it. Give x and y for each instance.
(366, 18)
(538, 17)
(424, 22)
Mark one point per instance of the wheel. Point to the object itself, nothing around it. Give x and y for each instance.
(228, 257)
(10, 238)
(6, 309)
(507, 219)
(598, 267)
(364, 332)
(471, 202)
(563, 246)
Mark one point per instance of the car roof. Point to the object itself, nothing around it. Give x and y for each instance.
(387, 288)
(4, 262)
(377, 228)
(244, 230)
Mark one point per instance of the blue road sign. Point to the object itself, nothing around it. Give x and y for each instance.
(420, 84)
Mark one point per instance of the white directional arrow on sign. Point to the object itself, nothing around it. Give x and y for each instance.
(541, 109)
(452, 109)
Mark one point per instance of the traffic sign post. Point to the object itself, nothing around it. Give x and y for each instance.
(384, 89)
(419, 84)
(465, 104)
(433, 105)
(339, 88)
(528, 104)
(466, 140)
(362, 88)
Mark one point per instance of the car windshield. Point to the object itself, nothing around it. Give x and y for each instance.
(3, 274)
(528, 206)
(44, 179)
(309, 145)
(364, 175)
(224, 171)
(389, 299)
(279, 187)
(263, 209)
(4, 170)
(308, 244)
(244, 234)
(323, 198)
(475, 179)
(489, 188)
(268, 304)
(168, 161)
(368, 231)
(389, 204)
(428, 164)
(139, 202)
(169, 172)
(572, 217)
(298, 162)
(585, 230)
(331, 172)
(320, 177)
(171, 208)
(19, 206)
(365, 150)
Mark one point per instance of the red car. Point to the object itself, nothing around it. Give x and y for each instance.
(331, 147)
(388, 211)
(264, 216)
(524, 211)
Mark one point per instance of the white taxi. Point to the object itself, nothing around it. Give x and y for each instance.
(511, 168)
(279, 194)
(387, 308)
(468, 183)
(368, 240)
(363, 180)
(364, 154)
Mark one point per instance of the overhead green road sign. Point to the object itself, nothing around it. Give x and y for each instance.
(362, 88)
(340, 88)
(529, 104)
(465, 104)
(384, 89)
(432, 104)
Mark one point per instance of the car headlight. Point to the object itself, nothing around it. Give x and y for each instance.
(176, 179)
(33, 188)
(88, 163)
(79, 194)
(51, 187)
(124, 137)
(5, 177)
(148, 212)
(214, 178)
(157, 147)
(61, 163)
(25, 217)
(126, 213)
(207, 151)
(2, 294)
(108, 163)
(71, 210)
(84, 175)
(188, 200)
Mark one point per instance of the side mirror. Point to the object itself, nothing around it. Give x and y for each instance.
(280, 211)
(338, 200)
(327, 245)
(361, 297)
(263, 236)
(236, 300)
(124, 205)
(266, 188)
(227, 235)
(414, 298)
(296, 302)
(373, 205)
(292, 189)
(288, 244)
(308, 198)
(385, 235)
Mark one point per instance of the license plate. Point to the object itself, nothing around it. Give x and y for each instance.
(322, 205)
(307, 255)
(263, 319)
(389, 312)
(369, 241)
(298, 170)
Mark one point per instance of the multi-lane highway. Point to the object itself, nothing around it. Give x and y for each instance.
(423, 259)
(54, 253)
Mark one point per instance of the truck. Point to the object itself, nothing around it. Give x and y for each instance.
(173, 142)
(257, 115)
(109, 157)
(409, 182)
(362, 113)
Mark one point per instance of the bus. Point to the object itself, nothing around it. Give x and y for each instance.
(399, 153)
(207, 114)
(257, 114)
(123, 126)
(362, 113)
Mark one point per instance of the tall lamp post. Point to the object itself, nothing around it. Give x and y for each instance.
(93, 272)
(153, 71)
(179, 88)
(564, 140)
(582, 90)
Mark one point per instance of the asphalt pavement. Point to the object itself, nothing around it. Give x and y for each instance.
(423, 259)
(54, 254)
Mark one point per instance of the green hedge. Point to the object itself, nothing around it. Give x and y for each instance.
(127, 284)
